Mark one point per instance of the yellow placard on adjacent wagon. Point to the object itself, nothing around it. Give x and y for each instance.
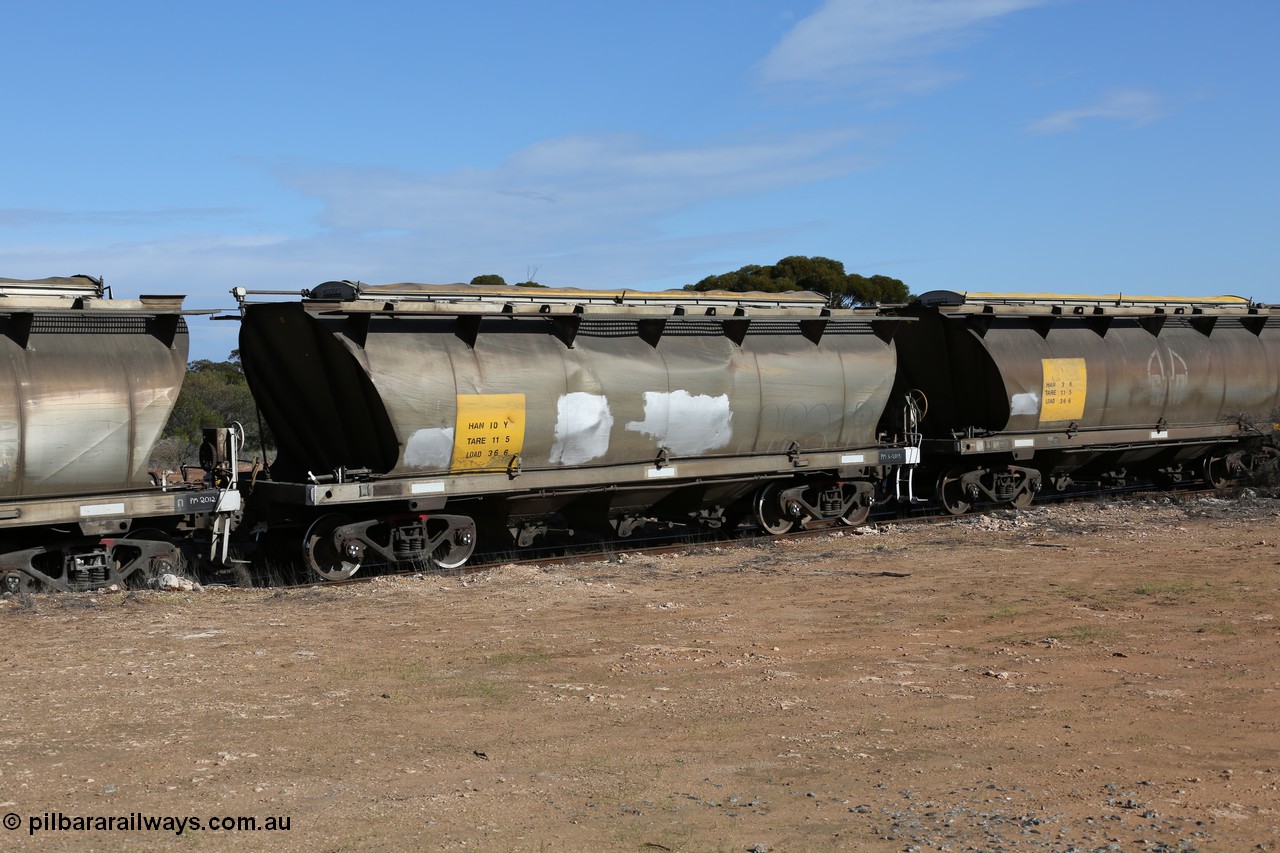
(489, 431)
(1065, 383)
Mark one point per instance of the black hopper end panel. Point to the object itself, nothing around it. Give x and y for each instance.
(314, 394)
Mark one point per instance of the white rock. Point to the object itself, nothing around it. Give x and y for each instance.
(174, 583)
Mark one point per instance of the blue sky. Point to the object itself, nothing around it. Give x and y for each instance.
(1048, 145)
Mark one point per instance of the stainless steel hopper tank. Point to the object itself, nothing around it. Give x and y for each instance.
(90, 385)
(1092, 388)
(540, 397)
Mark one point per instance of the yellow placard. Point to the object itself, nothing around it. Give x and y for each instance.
(1065, 383)
(489, 431)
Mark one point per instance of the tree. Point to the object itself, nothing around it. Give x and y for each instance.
(214, 394)
(818, 274)
(499, 281)
(877, 288)
(821, 275)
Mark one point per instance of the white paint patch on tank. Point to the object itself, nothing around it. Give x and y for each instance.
(1025, 404)
(684, 423)
(583, 424)
(429, 448)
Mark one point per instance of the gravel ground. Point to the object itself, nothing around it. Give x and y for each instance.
(1068, 678)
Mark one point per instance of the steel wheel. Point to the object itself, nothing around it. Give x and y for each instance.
(182, 559)
(1023, 500)
(1216, 473)
(183, 562)
(857, 514)
(454, 551)
(768, 513)
(322, 555)
(951, 492)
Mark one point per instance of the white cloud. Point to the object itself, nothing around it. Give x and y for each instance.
(583, 210)
(1132, 106)
(24, 218)
(563, 194)
(880, 45)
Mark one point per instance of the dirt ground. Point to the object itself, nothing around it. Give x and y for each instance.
(1070, 678)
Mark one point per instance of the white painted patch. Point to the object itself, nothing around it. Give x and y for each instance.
(685, 424)
(429, 448)
(913, 456)
(427, 488)
(1025, 404)
(101, 509)
(658, 473)
(1024, 442)
(583, 424)
(850, 458)
(1160, 433)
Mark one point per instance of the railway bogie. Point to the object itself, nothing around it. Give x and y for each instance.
(335, 547)
(961, 486)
